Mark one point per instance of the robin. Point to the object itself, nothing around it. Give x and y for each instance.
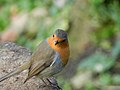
(49, 58)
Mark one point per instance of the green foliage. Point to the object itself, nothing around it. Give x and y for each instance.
(116, 49)
(90, 86)
(4, 18)
(67, 86)
(105, 36)
(97, 62)
(101, 61)
(105, 79)
(115, 79)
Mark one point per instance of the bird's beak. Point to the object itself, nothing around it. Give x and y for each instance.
(56, 42)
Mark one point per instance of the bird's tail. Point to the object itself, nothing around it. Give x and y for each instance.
(20, 69)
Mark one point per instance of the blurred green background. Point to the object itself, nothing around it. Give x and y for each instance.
(93, 27)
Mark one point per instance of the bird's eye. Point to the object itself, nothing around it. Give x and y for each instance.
(53, 35)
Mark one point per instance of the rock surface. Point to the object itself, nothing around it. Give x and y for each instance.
(12, 56)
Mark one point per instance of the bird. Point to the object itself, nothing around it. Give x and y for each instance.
(49, 58)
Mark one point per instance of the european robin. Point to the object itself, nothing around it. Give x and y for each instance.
(49, 58)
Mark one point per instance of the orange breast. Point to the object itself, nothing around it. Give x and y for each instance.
(63, 49)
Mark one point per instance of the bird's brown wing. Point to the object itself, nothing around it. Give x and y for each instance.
(41, 59)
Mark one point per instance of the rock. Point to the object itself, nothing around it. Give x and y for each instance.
(11, 57)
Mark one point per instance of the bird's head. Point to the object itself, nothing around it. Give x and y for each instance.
(59, 37)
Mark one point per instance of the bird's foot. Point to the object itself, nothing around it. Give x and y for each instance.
(49, 83)
(53, 84)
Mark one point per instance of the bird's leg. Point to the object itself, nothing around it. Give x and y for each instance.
(45, 84)
(53, 84)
